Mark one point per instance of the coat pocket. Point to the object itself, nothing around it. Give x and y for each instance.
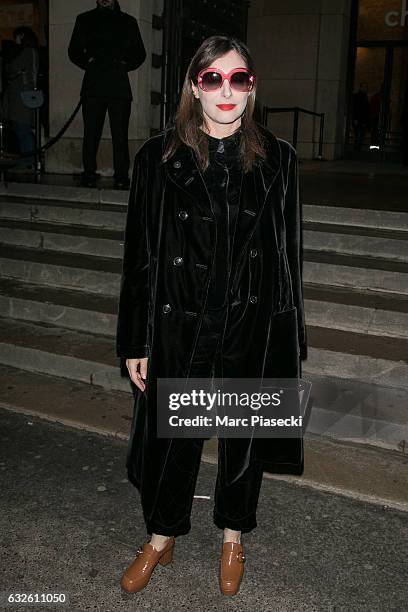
(282, 356)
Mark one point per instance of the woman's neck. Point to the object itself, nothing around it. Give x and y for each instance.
(221, 130)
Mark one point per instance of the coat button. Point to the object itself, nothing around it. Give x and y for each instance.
(177, 261)
(166, 308)
(253, 299)
(177, 164)
(253, 252)
(183, 214)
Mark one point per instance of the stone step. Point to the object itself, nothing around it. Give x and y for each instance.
(92, 358)
(105, 216)
(101, 274)
(336, 308)
(41, 202)
(76, 310)
(362, 412)
(83, 240)
(328, 191)
(61, 352)
(340, 410)
(342, 307)
(63, 193)
(362, 312)
(357, 345)
(375, 300)
(96, 240)
(79, 272)
(354, 230)
(355, 272)
(359, 217)
(357, 319)
(363, 368)
(385, 247)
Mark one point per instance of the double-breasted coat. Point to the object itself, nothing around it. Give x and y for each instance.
(169, 251)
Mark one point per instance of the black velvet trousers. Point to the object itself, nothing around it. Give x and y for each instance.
(235, 504)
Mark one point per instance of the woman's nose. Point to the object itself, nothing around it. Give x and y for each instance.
(226, 89)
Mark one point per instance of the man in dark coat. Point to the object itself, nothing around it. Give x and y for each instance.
(107, 44)
(361, 115)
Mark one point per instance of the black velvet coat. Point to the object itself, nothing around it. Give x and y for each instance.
(169, 249)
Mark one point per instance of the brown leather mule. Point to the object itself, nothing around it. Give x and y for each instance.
(138, 573)
(231, 567)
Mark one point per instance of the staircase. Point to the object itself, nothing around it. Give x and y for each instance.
(60, 265)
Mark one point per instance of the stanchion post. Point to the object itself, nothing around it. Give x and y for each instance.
(37, 157)
(320, 155)
(295, 127)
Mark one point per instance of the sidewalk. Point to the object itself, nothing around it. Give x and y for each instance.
(372, 474)
(71, 523)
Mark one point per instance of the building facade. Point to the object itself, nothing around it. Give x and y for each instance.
(309, 53)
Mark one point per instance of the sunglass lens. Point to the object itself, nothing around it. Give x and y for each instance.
(241, 81)
(211, 81)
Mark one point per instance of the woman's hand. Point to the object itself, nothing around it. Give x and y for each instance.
(137, 369)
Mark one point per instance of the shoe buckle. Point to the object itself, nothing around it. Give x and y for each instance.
(139, 551)
(241, 557)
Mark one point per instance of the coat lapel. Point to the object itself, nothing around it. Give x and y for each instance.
(183, 170)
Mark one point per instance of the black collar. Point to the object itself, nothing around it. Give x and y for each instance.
(269, 166)
(228, 144)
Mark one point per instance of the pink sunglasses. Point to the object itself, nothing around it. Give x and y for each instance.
(240, 79)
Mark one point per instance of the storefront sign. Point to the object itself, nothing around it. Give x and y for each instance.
(394, 19)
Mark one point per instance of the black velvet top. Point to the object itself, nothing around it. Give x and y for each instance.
(223, 178)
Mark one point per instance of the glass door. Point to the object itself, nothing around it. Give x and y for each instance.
(368, 101)
(379, 90)
(398, 93)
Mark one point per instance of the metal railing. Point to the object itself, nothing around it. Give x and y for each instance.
(296, 110)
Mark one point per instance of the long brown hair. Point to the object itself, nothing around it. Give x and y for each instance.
(189, 115)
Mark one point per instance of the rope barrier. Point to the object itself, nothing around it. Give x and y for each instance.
(51, 141)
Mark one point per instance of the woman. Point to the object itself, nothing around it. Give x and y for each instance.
(21, 75)
(211, 286)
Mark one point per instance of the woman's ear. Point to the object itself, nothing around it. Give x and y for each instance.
(194, 89)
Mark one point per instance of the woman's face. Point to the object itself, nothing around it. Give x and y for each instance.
(212, 101)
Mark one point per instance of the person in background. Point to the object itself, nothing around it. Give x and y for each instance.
(20, 75)
(107, 44)
(361, 115)
(375, 113)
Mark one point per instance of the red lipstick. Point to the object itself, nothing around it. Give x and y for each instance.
(226, 107)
